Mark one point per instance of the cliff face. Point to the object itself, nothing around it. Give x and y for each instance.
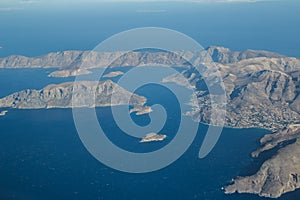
(60, 96)
(278, 175)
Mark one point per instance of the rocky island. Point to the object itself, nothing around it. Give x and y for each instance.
(68, 73)
(72, 63)
(60, 96)
(153, 137)
(3, 113)
(113, 74)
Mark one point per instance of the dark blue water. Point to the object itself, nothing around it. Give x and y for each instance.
(42, 157)
(45, 27)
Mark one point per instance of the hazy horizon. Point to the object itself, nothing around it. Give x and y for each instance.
(267, 25)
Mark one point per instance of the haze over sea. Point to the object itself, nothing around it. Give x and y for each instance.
(38, 28)
(41, 156)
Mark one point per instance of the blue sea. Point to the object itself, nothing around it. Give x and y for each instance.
(41, 155)
(39, 28)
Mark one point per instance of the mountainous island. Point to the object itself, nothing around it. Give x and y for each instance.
(262, 90)
(60, 96)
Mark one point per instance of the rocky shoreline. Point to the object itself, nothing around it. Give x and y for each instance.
(278, 175)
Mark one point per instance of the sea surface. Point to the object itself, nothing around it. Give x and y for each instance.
(42, 157)
(38, 28)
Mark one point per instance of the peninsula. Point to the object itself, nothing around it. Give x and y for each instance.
(278, 175)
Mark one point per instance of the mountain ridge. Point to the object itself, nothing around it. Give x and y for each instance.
(60, 96)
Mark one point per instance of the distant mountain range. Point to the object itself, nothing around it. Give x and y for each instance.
(92, 59)
(68, 62)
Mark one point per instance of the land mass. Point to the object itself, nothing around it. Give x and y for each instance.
(261, 92)
(250, 77)
(153, 137)
(279, 174)
(3, 113)
(69, 72)
(113, 74)
(141, 110)
(69, 62)
(60, 96)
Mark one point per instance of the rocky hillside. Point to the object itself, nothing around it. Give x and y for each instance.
(278, 175)
(67, 61)
(262, 87)
(91, 59)
(225, 56)
(60, 96)
(261, 92)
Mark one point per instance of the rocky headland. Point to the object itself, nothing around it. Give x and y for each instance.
(279, 174)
